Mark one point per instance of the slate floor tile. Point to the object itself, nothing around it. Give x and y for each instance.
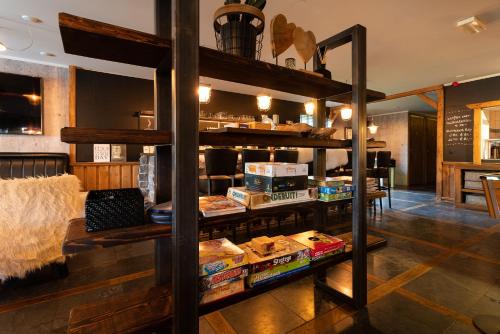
(457, 292)
(303, 299)
(261, 314)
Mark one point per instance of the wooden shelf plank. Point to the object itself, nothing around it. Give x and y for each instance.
(473, 191)
(78, 240)
(373, 243)
(231, 139)
(94, 39)
(143, 311)
(99, 40)
(115, 136)
(239, 139)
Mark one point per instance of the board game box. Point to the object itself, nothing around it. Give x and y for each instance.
(211, 206)
(319, 244)
(222, 291)
(275, 184)
(218, 255)
(335, 190)
(339, 181)
(224, 277)
(274, 169)
(286, 251)
(260, 200)
(334, 197)
(277, 272)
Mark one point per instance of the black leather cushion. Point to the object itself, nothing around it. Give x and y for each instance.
(21, 165)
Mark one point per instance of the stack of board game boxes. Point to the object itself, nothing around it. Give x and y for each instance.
(224, 267)
(332, 188)
(270, 184)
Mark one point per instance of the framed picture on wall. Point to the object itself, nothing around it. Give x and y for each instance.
(101, 153)
(118, 152)
(347, 133)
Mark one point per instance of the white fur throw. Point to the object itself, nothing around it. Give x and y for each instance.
(34, 214)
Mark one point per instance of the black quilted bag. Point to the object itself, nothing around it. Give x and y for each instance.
(114, 208)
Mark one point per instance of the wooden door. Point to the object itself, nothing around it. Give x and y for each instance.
(416, 150)
(431, 142)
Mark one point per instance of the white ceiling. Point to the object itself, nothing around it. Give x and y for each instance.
(411, 44)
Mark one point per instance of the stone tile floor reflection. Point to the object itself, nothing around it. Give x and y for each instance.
(442, 281)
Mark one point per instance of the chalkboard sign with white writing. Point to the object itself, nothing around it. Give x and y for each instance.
(458, 134)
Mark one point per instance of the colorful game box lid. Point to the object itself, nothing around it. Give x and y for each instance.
(273, 169)
(316, 181)
(286, 250)
(218, 255)
(320, 244)
(211, 206)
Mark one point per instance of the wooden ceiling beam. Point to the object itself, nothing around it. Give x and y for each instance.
(428, 100)
(411, 93)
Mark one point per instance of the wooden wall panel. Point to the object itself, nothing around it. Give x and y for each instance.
(106, 175)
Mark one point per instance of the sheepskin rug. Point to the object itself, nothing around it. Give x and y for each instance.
(34, 214)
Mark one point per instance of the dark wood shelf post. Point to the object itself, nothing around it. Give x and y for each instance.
(163, 114)
(359, 229)
(185, 109)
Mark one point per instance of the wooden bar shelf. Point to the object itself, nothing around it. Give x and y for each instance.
(78, 240)
(239, 139)
(142, 311)
(155, 137)
(373, 243)
(115, 136)
(89, 38)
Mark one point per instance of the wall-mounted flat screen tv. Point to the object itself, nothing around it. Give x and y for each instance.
(20, 105)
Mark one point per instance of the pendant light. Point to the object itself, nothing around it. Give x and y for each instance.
(309, 107)
(264, 102)
(346, 113)
(204, 93)
(372, 128)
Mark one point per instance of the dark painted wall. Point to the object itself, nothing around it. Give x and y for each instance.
(110, 101)
(456, 99)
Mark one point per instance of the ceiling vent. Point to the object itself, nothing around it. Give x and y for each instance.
(472, 25)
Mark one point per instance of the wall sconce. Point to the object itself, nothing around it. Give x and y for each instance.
(310, 106)
(372, 128)
(33, 98)
(204, 93)
(264, 102)
(346, 113)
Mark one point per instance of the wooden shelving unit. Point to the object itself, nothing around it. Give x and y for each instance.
(94, 39)
(179, 62)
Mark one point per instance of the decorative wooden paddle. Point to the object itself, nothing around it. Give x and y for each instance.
(305, 44)
(281, 35)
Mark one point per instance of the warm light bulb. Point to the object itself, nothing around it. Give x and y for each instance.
(204, 93)
(372, 128)
(33, 98)
(309, 106)
(2, 47)
(264, 102)
(346, 113)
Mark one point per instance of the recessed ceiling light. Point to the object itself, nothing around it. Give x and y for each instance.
(460, 76)
(47, 54)
(472, 25)
(2, 47)
(32, 19)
